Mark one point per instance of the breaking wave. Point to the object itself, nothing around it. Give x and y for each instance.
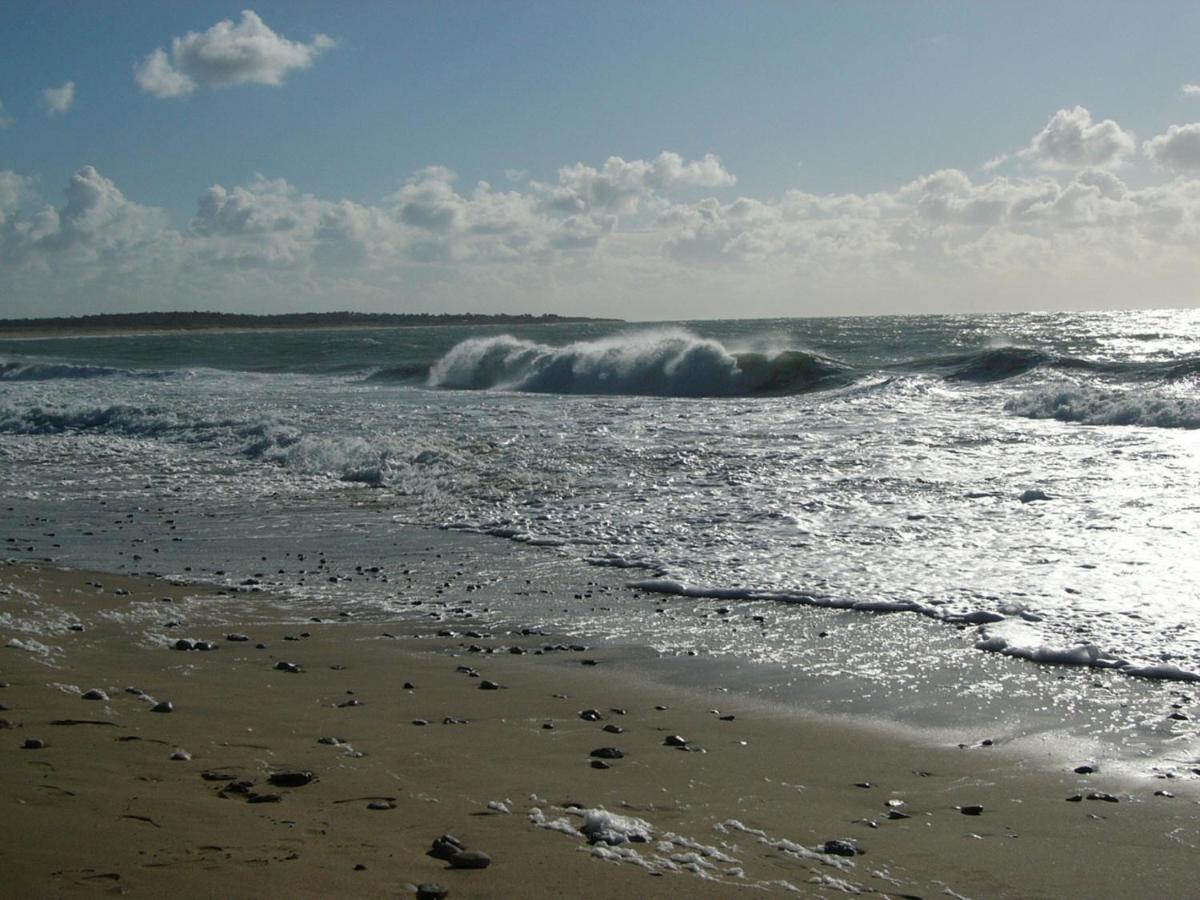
(1098, 406)
(659, 364)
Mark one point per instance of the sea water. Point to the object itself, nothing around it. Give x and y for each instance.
(1027, 484)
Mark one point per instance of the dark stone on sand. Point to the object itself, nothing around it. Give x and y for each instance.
(589, 662)
(264, 798)
(516, 651)
(183, 644)
(607, 753)
(1178, 716)
(346, 704)
(445, 847)
(163, 706)
(1075, 798)
(486, 685)
(841, 847)
(674, 740)
(1084, 770)
(93, 694)
(292, 779)
(972, 810)
(863, 784)
(896, 814)
(600, 764)
(470, 859)
(137, 692)
(205, 645)
(75, 627)
(283, 666)
(590, 715)
(548, 726)
(381, 804)
(453, 720)
(613, 729)
(1100, 795)
(409, 686)
(727, 718)
(662, 708)
(420, 721)
(431, 891)
(33, 744)
(1166, 794)
(237, 638)
(214, 775)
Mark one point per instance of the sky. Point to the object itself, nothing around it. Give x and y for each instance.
(648, 160)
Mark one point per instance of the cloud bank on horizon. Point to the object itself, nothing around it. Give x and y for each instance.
(1078, 215)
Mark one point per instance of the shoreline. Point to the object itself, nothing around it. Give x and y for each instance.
(788, 779)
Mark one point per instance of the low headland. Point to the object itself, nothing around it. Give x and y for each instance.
(132, 323)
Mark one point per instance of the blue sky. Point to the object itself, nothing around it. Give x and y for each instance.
(829, 120)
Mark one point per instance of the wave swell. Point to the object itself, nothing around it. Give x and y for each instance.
(658, 364)
(1096, 406)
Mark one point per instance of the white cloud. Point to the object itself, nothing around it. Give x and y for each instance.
(60, 99)
(626, 237)
(1191, 90)
(1071, 140)
(5, 121)
(227, 54)
(1177, 149)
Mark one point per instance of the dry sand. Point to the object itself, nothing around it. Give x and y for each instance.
(103, 807)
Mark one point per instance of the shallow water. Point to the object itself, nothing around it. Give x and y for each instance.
(1019, 484)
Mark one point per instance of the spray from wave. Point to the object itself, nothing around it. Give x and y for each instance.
(659, 364)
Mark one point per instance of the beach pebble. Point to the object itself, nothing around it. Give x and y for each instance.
(445, 847)
(181, 756)
(183, 644)
(420, 721)
(972, 810)
(163, 706)
(283, 666)
(613, 729)
(453, 720)
(94, 694)
(1178, 717)
(33, 744)
(840, 847)
(590, 715)
(264, 798)
(346, 704)
(607, 753)
(381, 804)
(1166, 794)
(292, 779)
(600, 764)
(1100, 795)
(216, 775)
(1075, 798)
(431, 891)
(548, 726)
(205, 645)
(1084, 770)
(470, 859)
(727, 718)
(329, 741)
(674, 740)
(409, 686)
(237, 638)
(486, 685)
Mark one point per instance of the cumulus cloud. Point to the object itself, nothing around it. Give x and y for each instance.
(58, 100)
(227, 54)
(1191, 90)
(5, 121)
(1071, 140)
(1177, 149)
(624, 231)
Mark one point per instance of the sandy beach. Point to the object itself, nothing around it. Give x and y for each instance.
(411, 733)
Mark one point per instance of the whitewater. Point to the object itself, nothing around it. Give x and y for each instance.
(1029, 482)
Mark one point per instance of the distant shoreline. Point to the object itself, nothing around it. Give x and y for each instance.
(166, 323)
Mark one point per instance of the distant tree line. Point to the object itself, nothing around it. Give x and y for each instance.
(157, 321)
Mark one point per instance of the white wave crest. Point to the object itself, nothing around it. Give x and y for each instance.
(1097, 406)
(663, 363)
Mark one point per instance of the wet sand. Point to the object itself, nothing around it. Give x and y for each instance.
(745, 807)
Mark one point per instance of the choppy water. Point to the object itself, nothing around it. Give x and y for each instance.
(1033, 477)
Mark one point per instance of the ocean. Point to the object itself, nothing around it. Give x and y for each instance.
(968, 506)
